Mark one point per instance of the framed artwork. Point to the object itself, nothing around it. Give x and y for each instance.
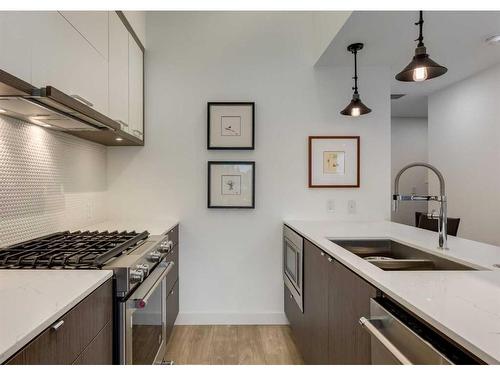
(231, 126)
(334, 161)
(231, 184)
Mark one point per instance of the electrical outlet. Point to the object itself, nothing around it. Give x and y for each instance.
(351, 206)
(330, 205)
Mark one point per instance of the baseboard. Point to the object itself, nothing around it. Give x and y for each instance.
(195, 318)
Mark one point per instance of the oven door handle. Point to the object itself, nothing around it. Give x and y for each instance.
(140, 298)
(370, 327)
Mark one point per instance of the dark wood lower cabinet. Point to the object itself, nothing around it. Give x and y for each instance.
(328, 330)
(349, 299)
(315, 289)
(70, 336)
(172, 309)
(100, 350)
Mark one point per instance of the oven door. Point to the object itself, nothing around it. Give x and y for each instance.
(143, 340)
(292, 264)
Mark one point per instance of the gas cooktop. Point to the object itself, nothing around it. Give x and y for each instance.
(70, 250)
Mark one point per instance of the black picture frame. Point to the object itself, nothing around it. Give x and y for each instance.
(210, 163)
(210, 104)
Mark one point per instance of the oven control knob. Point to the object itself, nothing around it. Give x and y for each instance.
(164, 246)
(136, 275)
(144, 268)
(155, 256)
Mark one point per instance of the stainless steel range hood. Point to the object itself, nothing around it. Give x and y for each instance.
(49, 107)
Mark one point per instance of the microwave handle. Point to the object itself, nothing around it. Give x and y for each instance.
(142, 301)
(368, 325)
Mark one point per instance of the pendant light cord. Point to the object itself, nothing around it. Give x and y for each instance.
(420, 24)
(355, 88)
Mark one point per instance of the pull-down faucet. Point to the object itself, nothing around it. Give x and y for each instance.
(441, 198)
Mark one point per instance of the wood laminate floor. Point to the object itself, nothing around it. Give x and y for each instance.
(233, 345)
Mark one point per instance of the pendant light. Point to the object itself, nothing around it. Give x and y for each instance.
(356, 106)
(422, 67)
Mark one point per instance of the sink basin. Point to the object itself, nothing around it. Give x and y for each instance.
(393, 256)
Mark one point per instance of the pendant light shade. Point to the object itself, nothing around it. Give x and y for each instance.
(422, 67)
(356, 107)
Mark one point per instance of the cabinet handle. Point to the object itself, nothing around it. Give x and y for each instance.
(291, 297)
(330, 259)
(172, 292)
(82, 100)
(58, 325)
(322, 254)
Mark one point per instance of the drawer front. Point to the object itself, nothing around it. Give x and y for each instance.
(172, 309)
(100, 350)
(173, 276)
(63, 342)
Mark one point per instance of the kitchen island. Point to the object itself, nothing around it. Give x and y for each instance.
(463, 305)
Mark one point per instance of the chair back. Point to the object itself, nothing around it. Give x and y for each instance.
(422, 221)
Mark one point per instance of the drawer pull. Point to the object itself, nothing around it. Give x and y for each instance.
(58, 325)
(330, 259)
(322, 254)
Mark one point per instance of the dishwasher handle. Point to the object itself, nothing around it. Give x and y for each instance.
(370, 327)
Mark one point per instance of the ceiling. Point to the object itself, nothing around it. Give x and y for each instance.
(453, 39)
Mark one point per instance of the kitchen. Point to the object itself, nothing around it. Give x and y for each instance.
(145, 232)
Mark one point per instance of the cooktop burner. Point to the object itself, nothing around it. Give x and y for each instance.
(88, 250)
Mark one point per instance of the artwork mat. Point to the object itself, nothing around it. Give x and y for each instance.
(244, 169)
(217, 139)
(350, 145)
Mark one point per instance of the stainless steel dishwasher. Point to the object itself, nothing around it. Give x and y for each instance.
(398, 337)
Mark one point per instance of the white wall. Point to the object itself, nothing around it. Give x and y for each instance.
(408, 145)
(49, 182)
(230, 266)
(464, 143)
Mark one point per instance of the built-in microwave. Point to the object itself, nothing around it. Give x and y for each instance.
(293, 248)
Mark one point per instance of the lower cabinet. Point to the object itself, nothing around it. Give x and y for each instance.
(315, 289)
(349, 300)
(82, 335)
(172, 309)
(328, 330)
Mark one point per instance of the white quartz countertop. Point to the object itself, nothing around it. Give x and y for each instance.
(31, 300)
(153, 226)
(464, 305)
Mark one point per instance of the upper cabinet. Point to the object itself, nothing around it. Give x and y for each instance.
(137, 21)
(93, 26)
(118, 71)
(15, 43)
(95, 57)
(63, 58)
(135, 90)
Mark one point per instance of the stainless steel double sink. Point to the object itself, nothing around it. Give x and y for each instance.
(393, 256)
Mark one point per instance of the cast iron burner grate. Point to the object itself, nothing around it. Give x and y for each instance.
(87, 250)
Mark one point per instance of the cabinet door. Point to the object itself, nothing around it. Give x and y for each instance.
(316, 271)
(172, 309)
(136, 89)
(296, 319)
(16, 36)
(63, 58)
(118, 71)
(349, 300)
(93, 26)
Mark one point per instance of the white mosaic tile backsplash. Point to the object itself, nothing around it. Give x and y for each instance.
(49, 181)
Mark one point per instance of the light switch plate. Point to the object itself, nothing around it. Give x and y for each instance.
(351, 206)
(330, 205)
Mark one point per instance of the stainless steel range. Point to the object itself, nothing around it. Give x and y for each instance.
(143, 267)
